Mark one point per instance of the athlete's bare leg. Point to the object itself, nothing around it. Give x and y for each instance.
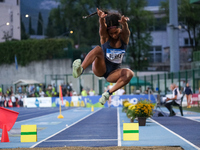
(121, 77)
(95, 56)
(188, 100)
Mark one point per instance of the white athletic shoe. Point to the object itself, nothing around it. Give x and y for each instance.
(77, 68)
(104, 98)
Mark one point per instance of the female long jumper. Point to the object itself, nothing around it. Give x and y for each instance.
(106, 60)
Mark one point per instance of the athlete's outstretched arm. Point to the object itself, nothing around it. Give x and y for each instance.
(102, 26)
(125, 33)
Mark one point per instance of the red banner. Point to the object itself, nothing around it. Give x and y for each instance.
(195, 98)
(60, 94)
(8, 118)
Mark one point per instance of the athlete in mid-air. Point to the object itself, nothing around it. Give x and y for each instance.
(106, 60)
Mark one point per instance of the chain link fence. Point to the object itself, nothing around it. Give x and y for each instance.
(85, 81)
(160, 83)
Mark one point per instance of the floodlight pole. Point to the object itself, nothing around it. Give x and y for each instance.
(173, 36)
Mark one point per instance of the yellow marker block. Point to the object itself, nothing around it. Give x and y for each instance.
(130, 131)
(28, 133)
(82, 104)
(92, 108)
(67, 104)
(71, 104)
(78, 104)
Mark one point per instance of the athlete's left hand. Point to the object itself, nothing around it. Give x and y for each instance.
(167, 99)
(124, 20)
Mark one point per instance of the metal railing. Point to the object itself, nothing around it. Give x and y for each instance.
(196, 56)
(161, 82)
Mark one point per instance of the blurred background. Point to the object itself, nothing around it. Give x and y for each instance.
(40, 39)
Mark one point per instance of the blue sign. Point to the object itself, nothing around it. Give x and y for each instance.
(118, 99)
(56, 101)
(37, 103)
(115, 100)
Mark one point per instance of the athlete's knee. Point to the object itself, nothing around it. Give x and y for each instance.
(128, 74)
(98, 50)
(98, 47)
(131, 73)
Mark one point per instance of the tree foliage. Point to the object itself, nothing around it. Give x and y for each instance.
(188, 16)
(70, 13)
(140, 37)
(40, 24)
(24, 36)
(33, 50)
(31, 31)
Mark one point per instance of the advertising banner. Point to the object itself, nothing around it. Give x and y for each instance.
(115, 101)
(84, 101)
(195, 99)
(56, 101)
(38, 102)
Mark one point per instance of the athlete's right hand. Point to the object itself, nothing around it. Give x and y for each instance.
(101, 14)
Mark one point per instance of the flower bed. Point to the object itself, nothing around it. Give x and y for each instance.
(143, 108)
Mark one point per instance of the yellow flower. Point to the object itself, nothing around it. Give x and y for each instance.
(129, 107)
(124, 102)
(127, 104)
(143, 108)
(132, 107)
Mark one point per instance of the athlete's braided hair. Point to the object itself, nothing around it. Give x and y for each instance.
(112, 19)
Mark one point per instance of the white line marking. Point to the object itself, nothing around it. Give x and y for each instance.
(186, 117)
(81, 110)
(38, 117)
(176, 134)
(118, 126)
(83, 140)
(189, 118)
(34, 118)
(64, 129)
(49, 111)
(32, 113)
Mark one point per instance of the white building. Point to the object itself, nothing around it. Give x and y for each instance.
(10, 20)
(159, 54)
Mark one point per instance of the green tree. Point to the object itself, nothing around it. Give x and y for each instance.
(50, 32)
(31, 31)
(140, 37)
(40, 24)
(188, 16)
(86, 30)
(24, 36)
(56, 23)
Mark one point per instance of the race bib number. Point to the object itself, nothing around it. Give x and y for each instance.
(115, 55)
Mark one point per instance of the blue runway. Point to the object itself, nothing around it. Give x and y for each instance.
(28, 113)
(102, 128)
(99, 129)
(186, 128)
